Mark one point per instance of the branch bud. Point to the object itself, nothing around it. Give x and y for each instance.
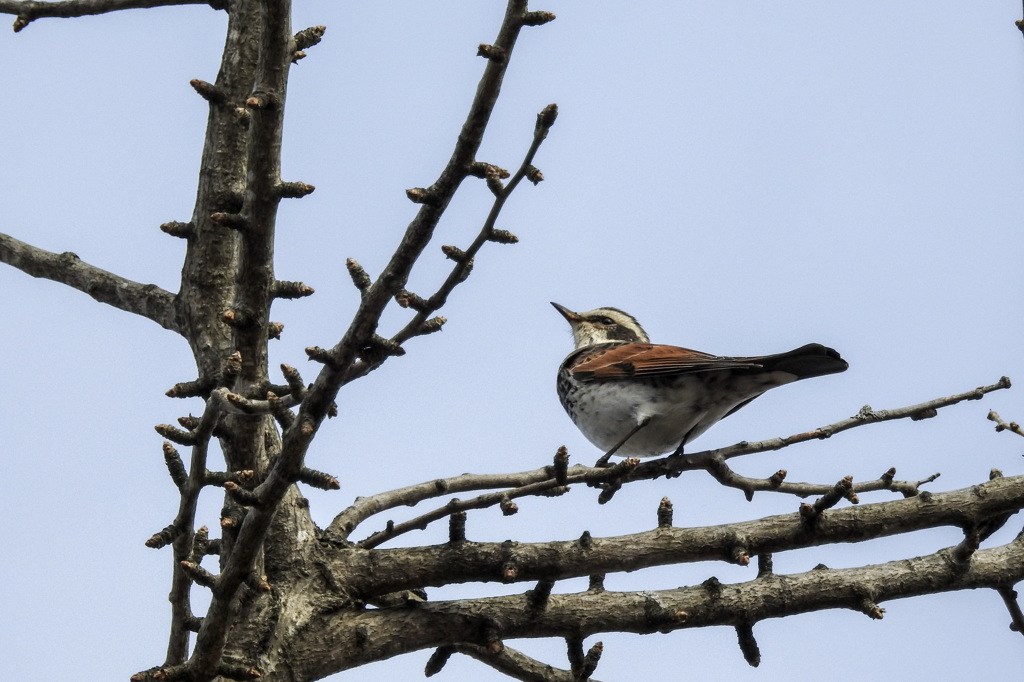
(561, 465)
(748, 645)
(665, 513)
(234, 221)
(545, 119)
(432, 325)
(175, 434)
(537, 18)
(318, 479)
(502, 237)
(308, 37)
(294, 190)
(175, 467)
(358, 275)
(457, 527)
(508, 507)
(437, 660)
(164, 537)
(198, 574)
(211, 93)
(179, 229)
(491, 52)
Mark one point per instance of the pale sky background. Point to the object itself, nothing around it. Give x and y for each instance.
(744, 177)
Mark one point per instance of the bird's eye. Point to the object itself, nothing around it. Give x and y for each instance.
(607, 321)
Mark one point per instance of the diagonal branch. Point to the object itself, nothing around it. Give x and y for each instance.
(393, 278)
(1012, 427)
(147, 300)
(518, 665)
(28, 11)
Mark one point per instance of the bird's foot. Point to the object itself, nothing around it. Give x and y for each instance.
(603, 462)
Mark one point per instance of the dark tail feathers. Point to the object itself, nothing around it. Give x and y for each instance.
(812, 360)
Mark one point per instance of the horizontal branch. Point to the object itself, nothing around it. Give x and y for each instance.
(390, 570)
(347, 521)
(712, 461)
(430, 624)
(28, 11)
(147, 300)
(673, 465)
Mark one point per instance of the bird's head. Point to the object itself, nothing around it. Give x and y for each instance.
(603, 325)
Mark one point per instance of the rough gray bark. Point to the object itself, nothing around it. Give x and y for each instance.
(290, 600)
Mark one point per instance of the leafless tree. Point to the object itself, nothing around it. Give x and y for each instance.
(291, 601)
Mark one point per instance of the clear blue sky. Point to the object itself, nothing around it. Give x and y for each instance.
(743, 177)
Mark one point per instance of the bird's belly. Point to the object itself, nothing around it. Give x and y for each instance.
(684, 408)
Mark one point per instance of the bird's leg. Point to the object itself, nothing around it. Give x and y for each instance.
(679, 450)
(603, 462)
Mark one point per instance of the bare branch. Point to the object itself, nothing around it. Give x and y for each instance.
(459, 506)
(433, 202)
(347, 521)
(539, 480)
(391, 570)
(254, 294)
(28, 11)
(673, 465)
(487, 233)
(713, 603)
(518, 665)
(1012, 427)
(1009, 596)
(147, 300)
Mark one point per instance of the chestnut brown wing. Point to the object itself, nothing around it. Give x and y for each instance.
(647, 360)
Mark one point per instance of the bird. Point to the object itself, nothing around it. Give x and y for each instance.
(637, 399)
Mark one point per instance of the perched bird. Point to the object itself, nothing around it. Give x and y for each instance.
(635, 398)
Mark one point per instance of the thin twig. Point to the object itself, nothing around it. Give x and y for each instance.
(454, 505)
(1012, 427)
(517, 665)
(776, 483)
(365, 507)
(184, 522)
(1009, 596)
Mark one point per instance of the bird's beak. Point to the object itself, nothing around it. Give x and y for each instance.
(569, 315)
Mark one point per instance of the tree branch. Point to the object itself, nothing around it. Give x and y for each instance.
(1012, 427)
(517, 665)
(394, 631)
(254, 294)
(28, 11)
(388, 570)
(674, 465)
(347, 521)
(147, 300)
(541, 480)
(1009, 596)
(393, 278)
